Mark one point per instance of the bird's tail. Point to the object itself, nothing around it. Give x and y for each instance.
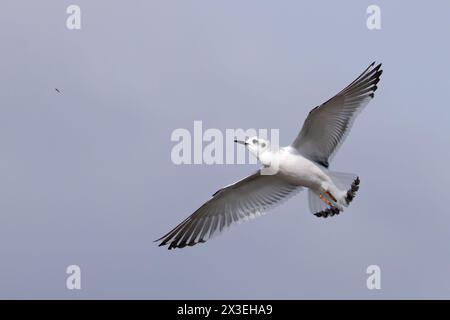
(348, 183)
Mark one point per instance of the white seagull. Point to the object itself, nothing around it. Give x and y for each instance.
(302, 164)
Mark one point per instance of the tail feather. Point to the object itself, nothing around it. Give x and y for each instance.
(348, 183)
(315, 204)
(328, 212)
(352, 191)
(343, 180)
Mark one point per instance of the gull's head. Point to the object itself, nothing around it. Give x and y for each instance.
(255, 145)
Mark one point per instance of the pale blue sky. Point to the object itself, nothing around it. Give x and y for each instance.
(86, 176)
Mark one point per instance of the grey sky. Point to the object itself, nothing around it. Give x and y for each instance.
(86, 176)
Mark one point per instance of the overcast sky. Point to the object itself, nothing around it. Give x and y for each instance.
(86, 176)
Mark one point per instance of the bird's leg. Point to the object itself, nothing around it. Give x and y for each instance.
(324, 199)
(331, 196)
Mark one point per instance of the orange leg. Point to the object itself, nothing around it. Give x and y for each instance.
(322, 197)
(331, 196)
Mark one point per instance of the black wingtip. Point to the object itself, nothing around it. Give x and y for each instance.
(377, 66)
(163, 243)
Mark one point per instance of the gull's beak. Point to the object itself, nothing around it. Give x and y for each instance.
(241, 142)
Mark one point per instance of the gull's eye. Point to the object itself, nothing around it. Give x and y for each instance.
(255, 141)
(263, 145)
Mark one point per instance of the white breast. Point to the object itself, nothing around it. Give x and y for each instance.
(301, 171)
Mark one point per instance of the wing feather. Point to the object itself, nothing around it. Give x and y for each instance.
(327, 125)
(235, 203)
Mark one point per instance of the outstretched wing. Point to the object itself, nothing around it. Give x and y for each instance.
(327, 125)
(237, 202)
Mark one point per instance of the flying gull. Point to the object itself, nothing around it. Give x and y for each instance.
(303, 164)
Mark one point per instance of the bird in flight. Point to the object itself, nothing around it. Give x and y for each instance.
(303, 164)
(57, 90)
